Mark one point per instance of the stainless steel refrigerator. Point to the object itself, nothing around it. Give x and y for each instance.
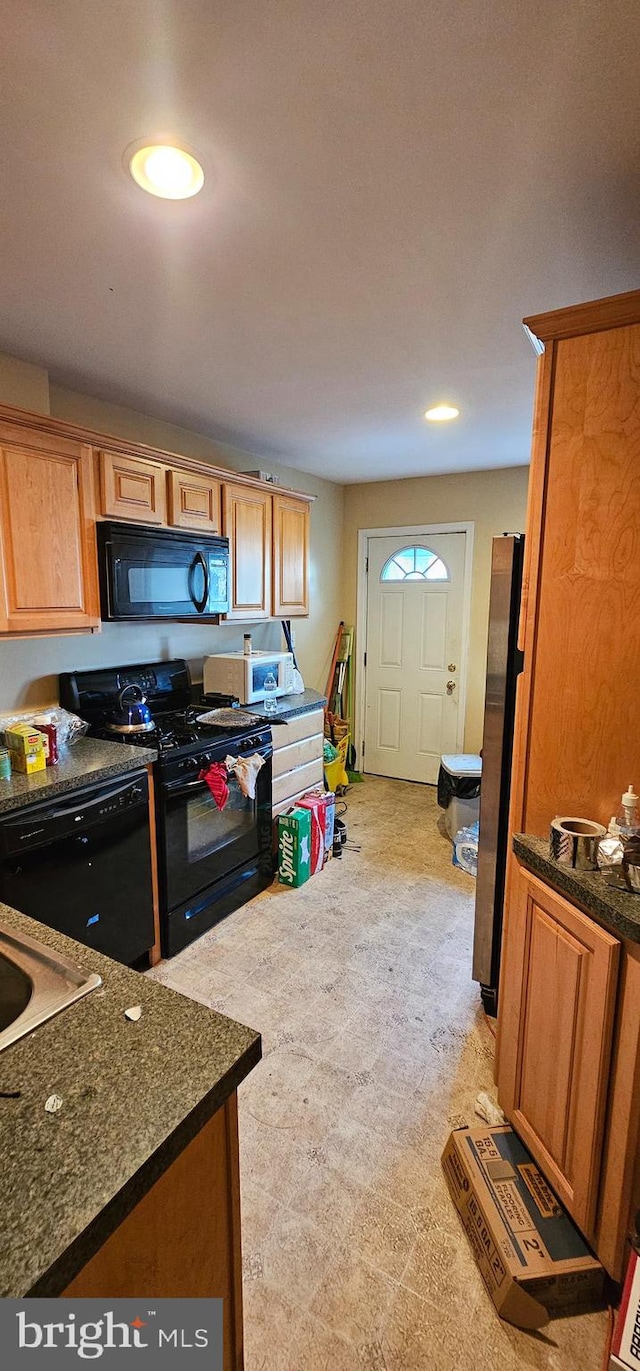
(504, 663)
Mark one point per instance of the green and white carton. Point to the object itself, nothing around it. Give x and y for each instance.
(294, 846)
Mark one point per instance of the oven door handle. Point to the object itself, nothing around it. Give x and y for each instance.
(181, 787)
(199, 560)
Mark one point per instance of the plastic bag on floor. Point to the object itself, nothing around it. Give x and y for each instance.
(465, 849)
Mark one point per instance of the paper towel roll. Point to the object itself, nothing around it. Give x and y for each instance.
(575, 842)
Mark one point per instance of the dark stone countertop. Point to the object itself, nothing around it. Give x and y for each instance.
(89, 760)
(134, 1095)
(616, 910)
(291, 705)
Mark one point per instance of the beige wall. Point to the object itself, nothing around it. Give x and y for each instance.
(496, 503)
(29, 668)
(24, 385)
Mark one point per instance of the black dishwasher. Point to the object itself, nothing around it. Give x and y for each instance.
(81, 863)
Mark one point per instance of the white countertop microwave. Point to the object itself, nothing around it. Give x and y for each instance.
(233, 673)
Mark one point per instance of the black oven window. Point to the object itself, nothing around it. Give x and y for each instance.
(209, 828)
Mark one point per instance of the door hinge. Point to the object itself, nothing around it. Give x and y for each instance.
(362, 749)
(366, 566)
(365, 659)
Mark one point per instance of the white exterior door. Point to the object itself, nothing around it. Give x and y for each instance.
(415, 593)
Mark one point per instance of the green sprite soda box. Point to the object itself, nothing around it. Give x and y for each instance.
(294, 846)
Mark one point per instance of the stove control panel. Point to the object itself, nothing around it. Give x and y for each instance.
(198, 761)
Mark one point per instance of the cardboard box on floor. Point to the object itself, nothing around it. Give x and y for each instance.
(531, 1256)
(294, 847)
(625, 1345)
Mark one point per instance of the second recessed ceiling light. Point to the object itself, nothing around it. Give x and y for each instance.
(440, 413)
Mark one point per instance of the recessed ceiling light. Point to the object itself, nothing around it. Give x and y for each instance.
(167, 171)
(440, 413)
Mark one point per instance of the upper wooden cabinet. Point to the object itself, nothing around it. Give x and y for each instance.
(556, 1032)
(57, 479)
(193, 501)
(290, 556)
(132, 489)
(48, 568)
(247, 523)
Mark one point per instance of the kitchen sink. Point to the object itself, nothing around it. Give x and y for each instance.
(35, 984)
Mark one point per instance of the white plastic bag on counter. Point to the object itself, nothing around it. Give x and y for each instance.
(610, 852)
(465, 848)
(68, 726)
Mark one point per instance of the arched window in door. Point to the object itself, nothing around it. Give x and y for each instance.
(414, 564)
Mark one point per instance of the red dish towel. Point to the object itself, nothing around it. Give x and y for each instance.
(216, 778)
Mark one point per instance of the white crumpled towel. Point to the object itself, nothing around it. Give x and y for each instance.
(246, 769)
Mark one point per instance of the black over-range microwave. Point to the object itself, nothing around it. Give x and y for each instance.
(155, 573)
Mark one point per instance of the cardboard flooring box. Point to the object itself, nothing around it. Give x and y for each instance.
(531, 1256)
(625, 1347)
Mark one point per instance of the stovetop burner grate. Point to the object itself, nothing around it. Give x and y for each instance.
(178, 726)
(186, 730)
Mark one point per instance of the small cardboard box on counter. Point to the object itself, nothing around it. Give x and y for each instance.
(294, 847)
(531, 1256)
(26, 746)
(625, 1346)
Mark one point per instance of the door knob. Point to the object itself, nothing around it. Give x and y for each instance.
(451, 685)
(451, 666)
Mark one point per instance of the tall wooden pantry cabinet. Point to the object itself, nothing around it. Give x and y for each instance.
(568, 1064)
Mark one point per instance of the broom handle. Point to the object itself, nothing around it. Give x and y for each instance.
(334, 661)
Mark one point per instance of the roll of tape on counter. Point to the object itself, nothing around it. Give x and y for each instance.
(575, 842)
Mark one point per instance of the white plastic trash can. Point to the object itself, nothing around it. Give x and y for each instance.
(459, 790)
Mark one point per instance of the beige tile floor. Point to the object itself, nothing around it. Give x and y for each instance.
(374, 1048)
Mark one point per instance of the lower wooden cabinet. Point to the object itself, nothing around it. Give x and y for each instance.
(290, 557)
(183, 1237)
(557, 1007)
(247, 524)
(48, 567)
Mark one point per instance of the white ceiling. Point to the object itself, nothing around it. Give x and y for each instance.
(391, 185)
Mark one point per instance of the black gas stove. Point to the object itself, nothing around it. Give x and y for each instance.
(210, 861)
(185, 743)
(181, 729)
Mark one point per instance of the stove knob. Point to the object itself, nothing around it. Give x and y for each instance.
(135, 792)
(194, 763)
